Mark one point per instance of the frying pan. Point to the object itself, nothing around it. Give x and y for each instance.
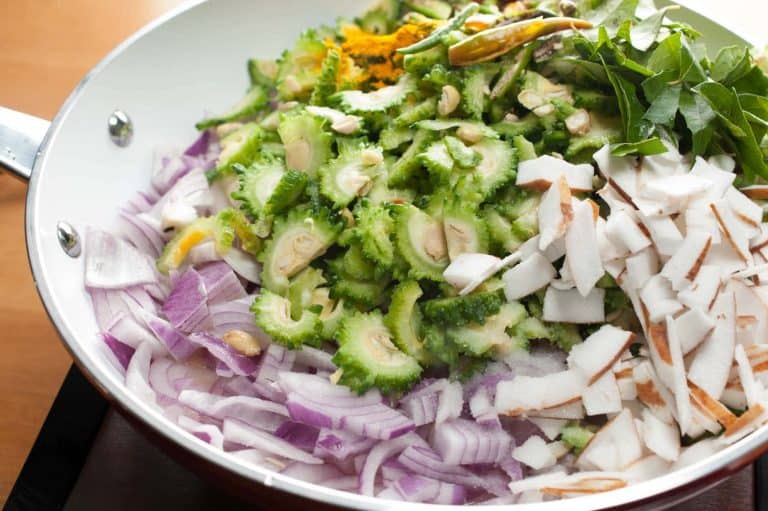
(162, 80)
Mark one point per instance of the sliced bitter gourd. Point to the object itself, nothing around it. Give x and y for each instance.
(241, 146)
(438, 161)
(465, 231)
(299, 68)
(266, 188)
(391, 138)
(497, 167)
(374, 230)
(409, 162)
(365, 294)
(356, 264)
(414, 113)
(421, 242)
(345, 178)
(436, 9)
(263, 72)
(307, 144)
(478, 339)
(250, 241)
(476, 89)
(461, 310)
(355, 101)
(252, 103)
(296, 241)
(448, 124)
(464, 157)
(525, 149)
(368, 358)
(326, 81)
(301, 289)
(273, 315)
(500, 229)
(404, 320)
(331, 314)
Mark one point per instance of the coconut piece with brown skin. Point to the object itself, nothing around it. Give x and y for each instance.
(555, 213)
(712, 361)
(615, 446)
(602, 396)
(527, 393)
(540, 173)
(653, 393)
(600, 351)
(570, 307)
(582, 252)
(684, 265)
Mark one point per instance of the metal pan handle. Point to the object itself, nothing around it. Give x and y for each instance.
(20, 138)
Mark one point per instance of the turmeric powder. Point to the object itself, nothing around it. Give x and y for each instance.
(377, 55)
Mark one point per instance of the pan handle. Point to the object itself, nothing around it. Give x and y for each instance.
(20, 138)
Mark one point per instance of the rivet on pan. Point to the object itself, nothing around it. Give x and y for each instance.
(120, 128)
(69, 239)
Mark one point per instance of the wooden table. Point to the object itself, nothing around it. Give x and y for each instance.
(46, 46)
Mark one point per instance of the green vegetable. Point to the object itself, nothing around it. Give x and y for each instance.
(404, 320)
(435, 37)
(479, 339)
(421, 242)
(345, 178)
(299, 68)
(241, 146)
(448, 124)
(465, 231)
(266, 188)
(410, 161)
(422, 62)
(374, 230)
(461, 310)
(464, 157)
(355, 101)
(331, 312)
(435, 9)
(356, 265)
(438, 161)
(391, 138)
(262, 72)
(415, 113)
(296, 241)
(252, 103)
(307, 144)
(367, 357)
(476, 90)
(176, 250)
(497, 167)
(576, 437)
(326, 81)
(301, 290)
(377, 21)
(525, 149)
(501, 232)
(273, 315)
(363, 293)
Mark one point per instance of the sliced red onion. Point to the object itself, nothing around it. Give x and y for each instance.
(204, 252)
(146, 233)
(424, 461)
(464, 442)
(169, 167)
(111, 263)
(160, 381)
(482, 408)
(206, 432)
(314, 358)
(107, 307)
(297, 434)
(346, 483)
(389, 493)
(128, 331)
(178, 344)
(138, 297)
(451, 403)
(191, 190)
(131, 233)
(415, 488)
(244, 264)
(237, 362)
(312, 473)
(186, 307)
(243, 408)
(202, 144)
(121, 351)
(238, 386)
(340, 444)
(421, 403)
(392, 470)
(250, 437)
(316, 401)
(140, 202)
(511, 467)
(220, 282)
(137, 374)
(190, 376)
(236, 315)
(378, 455)
(274, 360)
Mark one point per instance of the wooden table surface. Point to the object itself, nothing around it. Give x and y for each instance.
(46, 46)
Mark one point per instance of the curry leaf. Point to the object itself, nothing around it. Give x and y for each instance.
(698, 117)
(663, 109)
(731, 64)
(644, 34)
(635, 127)
(646, 147)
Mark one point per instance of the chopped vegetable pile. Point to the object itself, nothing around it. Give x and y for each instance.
(454, 252)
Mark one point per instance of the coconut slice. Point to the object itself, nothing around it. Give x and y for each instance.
(683, 267)
(616, 269)
(702, 220)
(600, 351)
(720, 180)
(468, 267)
(538, 481)
(746, 211)
(625, 382)
(702, 422)
(745, 424)
(660, 437)
(659, 299)
(541, 172)
(653, 393)
(610, 165)
(624, 232)
(585, 483)
(569, 411)
(641, 267)
(550, 427)
(670, 163)
(710, 406)
(647, 468)
(753, 389)
(558, 449)
(602, 396)
(679, 382)
(759, 192)
(659, 351)
(724, 162)
(733, 396)
(733, 230)
(663, 232)
(582, 250)
(535, 453)
(675, 190)
(751, 314)
(712, 362)
(693, 326)
(570, 307)
(727, 259)
(525, 393)
(609, 251)
(701, 450)
(555, 213)
(702, 293)
(532, 274)
(615, 446)
(553, 252)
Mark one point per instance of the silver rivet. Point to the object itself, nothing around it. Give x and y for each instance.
(69, 239)
(120, 128)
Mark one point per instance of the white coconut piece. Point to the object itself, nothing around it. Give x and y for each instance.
(555, 213)
(664, 233)
(615, 201)
(659, 298)
(615, 446)
(558, 449)
(468, 267)
(709, 406)
(702, 220)
(732, 228)
(755, 191)
(553, 252)
(658, 349)
(610, 165)
(675, 190)
(746, 211)
(679, 381)
(550, 427)
(624, 232)
(751, 314)
(541, 172)
(609, 251)
(745, 424)
(585, 483)
(535, 453)
(702, 422)
(720, 179)
(525, 393)
(641, 267)
(702, 293)
(670, 163)
(581, 248)
(660, 437)
(724, 162)
(602, 396)
(569, 411)
(684, 265)
(622, 372)
(616, 269)
(647, 468)
(571, 307)
(727, 259)
(537, 481)
(699, 451)
(733, 396)
(712, 362)
(527, 277)
(600, 351)
(693, 326)
(753, 389)
(653, 393)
